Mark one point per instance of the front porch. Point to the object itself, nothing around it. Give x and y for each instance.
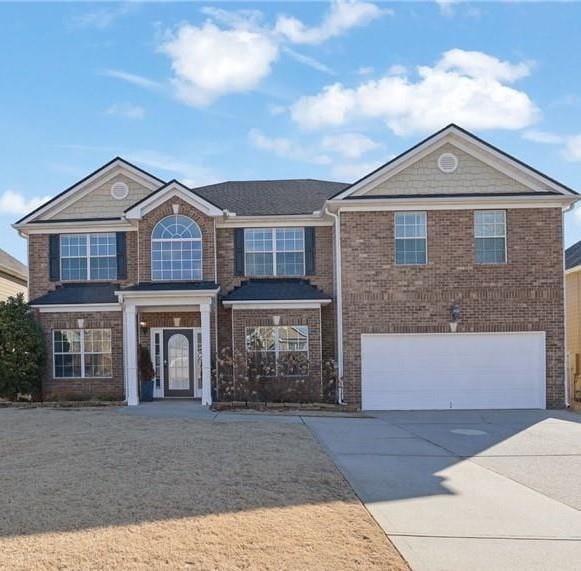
(175, 324)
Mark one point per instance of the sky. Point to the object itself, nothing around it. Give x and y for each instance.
(205, 92)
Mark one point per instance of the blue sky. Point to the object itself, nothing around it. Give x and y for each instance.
(215, 91)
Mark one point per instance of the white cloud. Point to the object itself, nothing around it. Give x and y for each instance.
(447, 6)
(342, 16)
(12, 202)
(126, 110)
(542, 137)
(276, 110)
(308, 61)
(132, 78)
(350, 172)
(467, 88)
(104, 17)
(349, 145)
(286, 148)
(572, 151)
(365, 70)
(209, 62)
(397, 69)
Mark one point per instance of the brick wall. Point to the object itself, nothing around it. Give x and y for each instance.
(307, 388)
(526, 294)
(146, 226)
(63, 389)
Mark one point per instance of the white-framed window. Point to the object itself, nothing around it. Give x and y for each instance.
(278, 350)
(411, 243)
(88, 256)
(81, 353)
(176, 249)
(274, 251)
(490, 236)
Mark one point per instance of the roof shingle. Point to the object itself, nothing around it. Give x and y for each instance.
(276, 290)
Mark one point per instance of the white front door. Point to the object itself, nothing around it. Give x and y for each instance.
(455, 370)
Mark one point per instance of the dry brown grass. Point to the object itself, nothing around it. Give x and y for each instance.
(86, 489)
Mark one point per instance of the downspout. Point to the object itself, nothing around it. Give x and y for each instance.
(339, 292)
(566, 348)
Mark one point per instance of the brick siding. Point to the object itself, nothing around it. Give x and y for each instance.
(526, 294)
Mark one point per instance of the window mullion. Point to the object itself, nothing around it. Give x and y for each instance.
(273, 238)
(82, 339)
(88, 252)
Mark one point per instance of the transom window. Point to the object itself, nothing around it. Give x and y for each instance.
(278, 351)
(88, 257)
(410, 238)
(176, 249)
(274, 251)
(490, 236)
(82, 353)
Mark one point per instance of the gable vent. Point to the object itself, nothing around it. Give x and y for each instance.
(447, 162)
(119, 190)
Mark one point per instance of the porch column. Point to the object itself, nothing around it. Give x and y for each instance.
(130, 348)
(206, 355)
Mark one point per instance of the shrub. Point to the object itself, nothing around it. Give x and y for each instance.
(22, 353)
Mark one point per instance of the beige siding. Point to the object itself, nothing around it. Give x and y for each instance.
(100, 204)
(573, 321)
(9, 288)
(471, 176)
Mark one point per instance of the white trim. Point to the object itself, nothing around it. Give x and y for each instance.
(440, 333)
(80, 308)
(232, 221)
(573, 269)
(206, 355)
(277, 304)
(459, 139)
(84, 187)
(75, 227)
(183, 297)
(130, 349)
(451, 203)
(173, 189)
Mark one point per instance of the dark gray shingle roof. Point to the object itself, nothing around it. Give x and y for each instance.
(171, 286)
(12, 266)
(275, 290)
(270, 197)
(79, 293)
(573, 256)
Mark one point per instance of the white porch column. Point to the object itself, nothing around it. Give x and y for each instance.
(130, 338)
(206, 355)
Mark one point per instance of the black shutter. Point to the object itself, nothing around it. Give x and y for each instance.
(238, 251)
(310, 250)
(121, 238)
(54, 262)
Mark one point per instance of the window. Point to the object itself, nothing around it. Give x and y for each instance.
(490, 236)
(80, 353)
(278, 351)
(88, 257)
(274, 251)
(410, 238)
(176, 249)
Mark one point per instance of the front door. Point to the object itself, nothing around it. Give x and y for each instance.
(178, 364)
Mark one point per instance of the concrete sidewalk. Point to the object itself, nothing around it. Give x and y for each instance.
(465, 490)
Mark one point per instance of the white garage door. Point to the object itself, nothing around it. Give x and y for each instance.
(455, 370)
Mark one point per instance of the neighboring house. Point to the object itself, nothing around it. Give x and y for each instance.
(573, 317)
(13, 277)
(435, 281)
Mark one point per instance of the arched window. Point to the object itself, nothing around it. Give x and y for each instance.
(176, 249)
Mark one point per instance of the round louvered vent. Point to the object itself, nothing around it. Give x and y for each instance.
(119, 190)
(447, 162)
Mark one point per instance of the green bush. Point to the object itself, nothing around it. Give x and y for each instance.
(22, 353)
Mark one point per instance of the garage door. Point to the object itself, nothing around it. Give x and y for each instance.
(455, 370)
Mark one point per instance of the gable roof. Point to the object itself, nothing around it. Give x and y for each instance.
(112, 164)
(271, 197)
(452, 129)
(573, 256)
(12, 266)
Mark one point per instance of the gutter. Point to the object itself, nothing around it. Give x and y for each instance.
(339, 304)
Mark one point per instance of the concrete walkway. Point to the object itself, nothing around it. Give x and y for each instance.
(459, 490)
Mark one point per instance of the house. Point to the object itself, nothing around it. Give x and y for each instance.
(13, 276)
(573, 318)
(434, 282)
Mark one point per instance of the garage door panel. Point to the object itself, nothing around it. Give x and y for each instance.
(411, 372)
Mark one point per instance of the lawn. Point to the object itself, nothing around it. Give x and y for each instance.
(94, 489)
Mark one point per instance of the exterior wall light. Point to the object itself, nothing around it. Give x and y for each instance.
(455, 313)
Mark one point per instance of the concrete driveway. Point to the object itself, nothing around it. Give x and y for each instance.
(459, 490)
